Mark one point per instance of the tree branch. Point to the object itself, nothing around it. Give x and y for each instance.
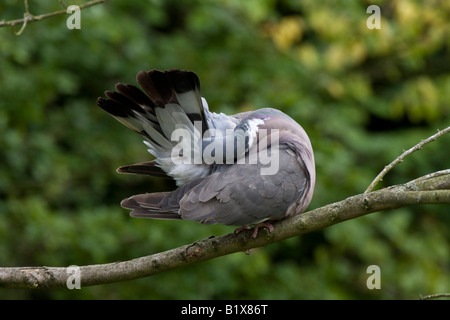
(430, 189)
(435, 296)
(418, 146)
(28, 17)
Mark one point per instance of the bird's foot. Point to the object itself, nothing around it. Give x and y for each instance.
(238, 230)
(262, 224)
(255, 232)
(256, 229)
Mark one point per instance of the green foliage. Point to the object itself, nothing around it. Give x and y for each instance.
(362, 95)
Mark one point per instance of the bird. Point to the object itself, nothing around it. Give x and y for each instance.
(248, 169)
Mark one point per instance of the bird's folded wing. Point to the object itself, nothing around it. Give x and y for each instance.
(240, 195)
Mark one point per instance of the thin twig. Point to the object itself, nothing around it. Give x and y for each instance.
(435, 296)
(27, 17)
(406, 153)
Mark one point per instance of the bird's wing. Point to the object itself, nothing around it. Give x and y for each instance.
(172, 100)
(239, 195)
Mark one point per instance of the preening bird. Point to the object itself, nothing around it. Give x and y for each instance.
(250, 168)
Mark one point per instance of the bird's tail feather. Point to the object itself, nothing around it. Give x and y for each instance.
(147, 206)
(169, 100)
(172, 98)
(145, 168)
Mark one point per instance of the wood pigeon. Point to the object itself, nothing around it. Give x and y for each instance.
(250, 168)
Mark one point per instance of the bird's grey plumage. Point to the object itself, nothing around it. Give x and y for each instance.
(232, 190)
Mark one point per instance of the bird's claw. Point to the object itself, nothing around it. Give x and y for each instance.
(238, 230)
(256, 228)
(262, 224)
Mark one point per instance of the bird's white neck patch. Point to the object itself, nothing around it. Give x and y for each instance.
(254, 123)
(253, 129)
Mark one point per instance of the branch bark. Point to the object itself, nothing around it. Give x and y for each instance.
(430, 189)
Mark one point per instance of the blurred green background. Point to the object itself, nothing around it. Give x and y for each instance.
(362, 95)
